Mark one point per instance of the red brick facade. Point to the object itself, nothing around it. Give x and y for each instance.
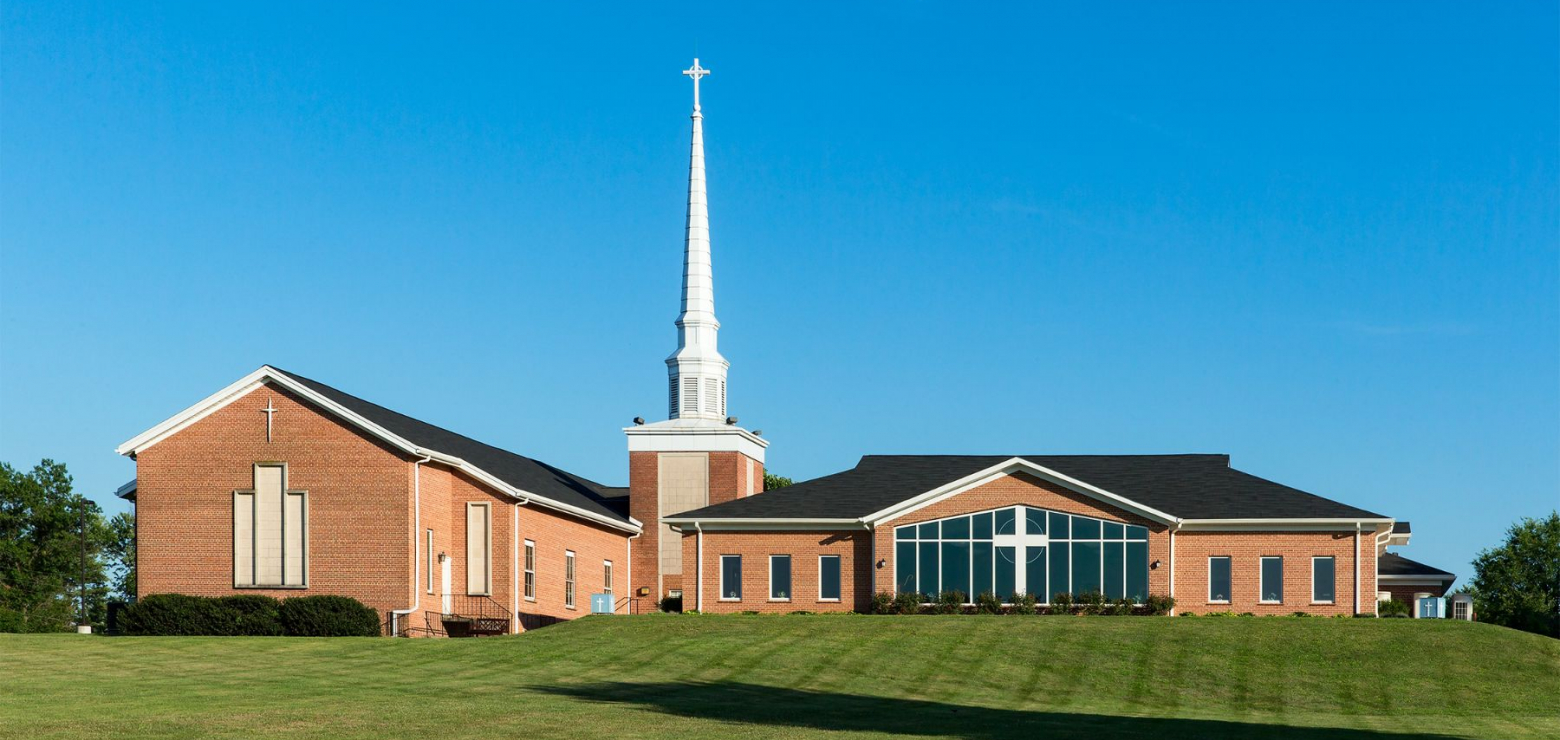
(1245, 549)
(854, 549)
(728, 481)
(363, 539)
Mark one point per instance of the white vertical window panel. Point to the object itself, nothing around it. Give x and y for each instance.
(294, 526)
(479, 549)
(268, 525)
(243, 539)
(683, 485)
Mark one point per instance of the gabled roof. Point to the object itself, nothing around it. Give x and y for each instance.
(510, 473)
(1187, 487)
(1391, 565)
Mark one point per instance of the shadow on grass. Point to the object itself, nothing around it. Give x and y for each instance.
(793, 708)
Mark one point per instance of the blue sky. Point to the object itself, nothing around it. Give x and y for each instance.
(1325, 240)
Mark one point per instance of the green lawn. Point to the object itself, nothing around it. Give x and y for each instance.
(806, 676)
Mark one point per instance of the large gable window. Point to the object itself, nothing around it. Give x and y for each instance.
(1021, 549)
(270, 532)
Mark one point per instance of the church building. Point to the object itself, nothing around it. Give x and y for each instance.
(282, 485)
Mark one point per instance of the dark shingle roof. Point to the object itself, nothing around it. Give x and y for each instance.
(522, 472)
(1392, 564)
(1401, 528)
(1185, 486)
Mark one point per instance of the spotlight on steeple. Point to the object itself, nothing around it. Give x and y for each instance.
(639, 421)
(732, 420)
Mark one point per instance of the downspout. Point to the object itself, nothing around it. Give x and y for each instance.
(514, 573)
(699, 578)
(871, 565)
(1356, 567)
(628, 559)
(416, 544)
(1172, 563)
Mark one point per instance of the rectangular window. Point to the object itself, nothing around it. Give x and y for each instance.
(956, 568)
(1137, 571)
(428, 556)
(1272, 580)
(530, 570)
(1219, 579)
(731, 578)
(270, 532)
(928, 570)
(980, 568)
(779, 577)
(1323, 580)
(1007, 576)
(479, 549)
(1059, 527)
(606, 577)
(904, 560)
(568, 578)
(1115, 568)
(1085, 529)
(828, 578)
(1060, 571)
(1034, 571)
(1085, 564)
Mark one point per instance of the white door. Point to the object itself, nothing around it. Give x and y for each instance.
(444, 583)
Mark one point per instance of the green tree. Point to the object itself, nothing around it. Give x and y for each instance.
(1518, 583)
(42, 574)
(120, 552)
(772, 481)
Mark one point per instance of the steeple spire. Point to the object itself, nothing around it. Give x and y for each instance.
(697, 372)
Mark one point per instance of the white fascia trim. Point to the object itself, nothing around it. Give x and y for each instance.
(1276, 525)
(266, 373)
(1426, 580)
(1015, 465)
(1396, 540)
(732, 525)
(696, 439)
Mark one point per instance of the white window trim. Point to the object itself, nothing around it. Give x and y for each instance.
(841, 568)
(487, 559)
(530, 569)
(607, 576)
(1334, 599)
(721, 577)
(1262, 580)
(303, 510)
(570, 572)
(1212, 558)
(792, 591)
(428, 560)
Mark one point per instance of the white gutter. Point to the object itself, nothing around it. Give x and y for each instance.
(699, 578)
(416, 543)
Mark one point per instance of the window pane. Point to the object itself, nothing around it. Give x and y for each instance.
(780, 577)
(731, 576)
(1114, 531)
(982, 526)
(1005, 573)
(1272, 579)
(1322, 579)
(1059, 529)
(929, 531)
(905, 533)
(1034, 571)
(956, 567)
(928, 568)
(1034, 521)
(1085, 567)
(1085, 529)
(1218, 579)
(1137, 571)
(1115, 570)
(1135, 532)
(829, 577)
(1059, 572)
(956, 529)
(980, 557)
(904, 560)
(1005, 521)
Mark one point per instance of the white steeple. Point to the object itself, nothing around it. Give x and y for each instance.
(697, 372)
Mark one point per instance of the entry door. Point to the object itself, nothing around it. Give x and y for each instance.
(444, 583)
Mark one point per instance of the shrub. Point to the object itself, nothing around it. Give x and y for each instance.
(328, 616)
(1061, 603)
(1118, 608)
(1091, 603)
(1188, 614)
(1301, 614)
(1393, 608)
(988, 603)
(178, 615)
(1159, 605)
(908, 602)
(1246, 614)
(672, 604)
(882, 603)
(949, 602)
(1364, 615)
(252, 615)
(1024, 604)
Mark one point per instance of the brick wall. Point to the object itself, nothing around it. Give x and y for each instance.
(1405, 593)
(853, 547)
(727, 481)
(1192, 550)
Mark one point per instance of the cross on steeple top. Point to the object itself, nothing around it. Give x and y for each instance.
(696, 72)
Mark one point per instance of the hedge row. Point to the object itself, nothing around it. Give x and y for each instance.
(953, 602)
(253, 616)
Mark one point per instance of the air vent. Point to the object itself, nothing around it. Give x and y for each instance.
(712, 396)
(690, 393)
(672, 398)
